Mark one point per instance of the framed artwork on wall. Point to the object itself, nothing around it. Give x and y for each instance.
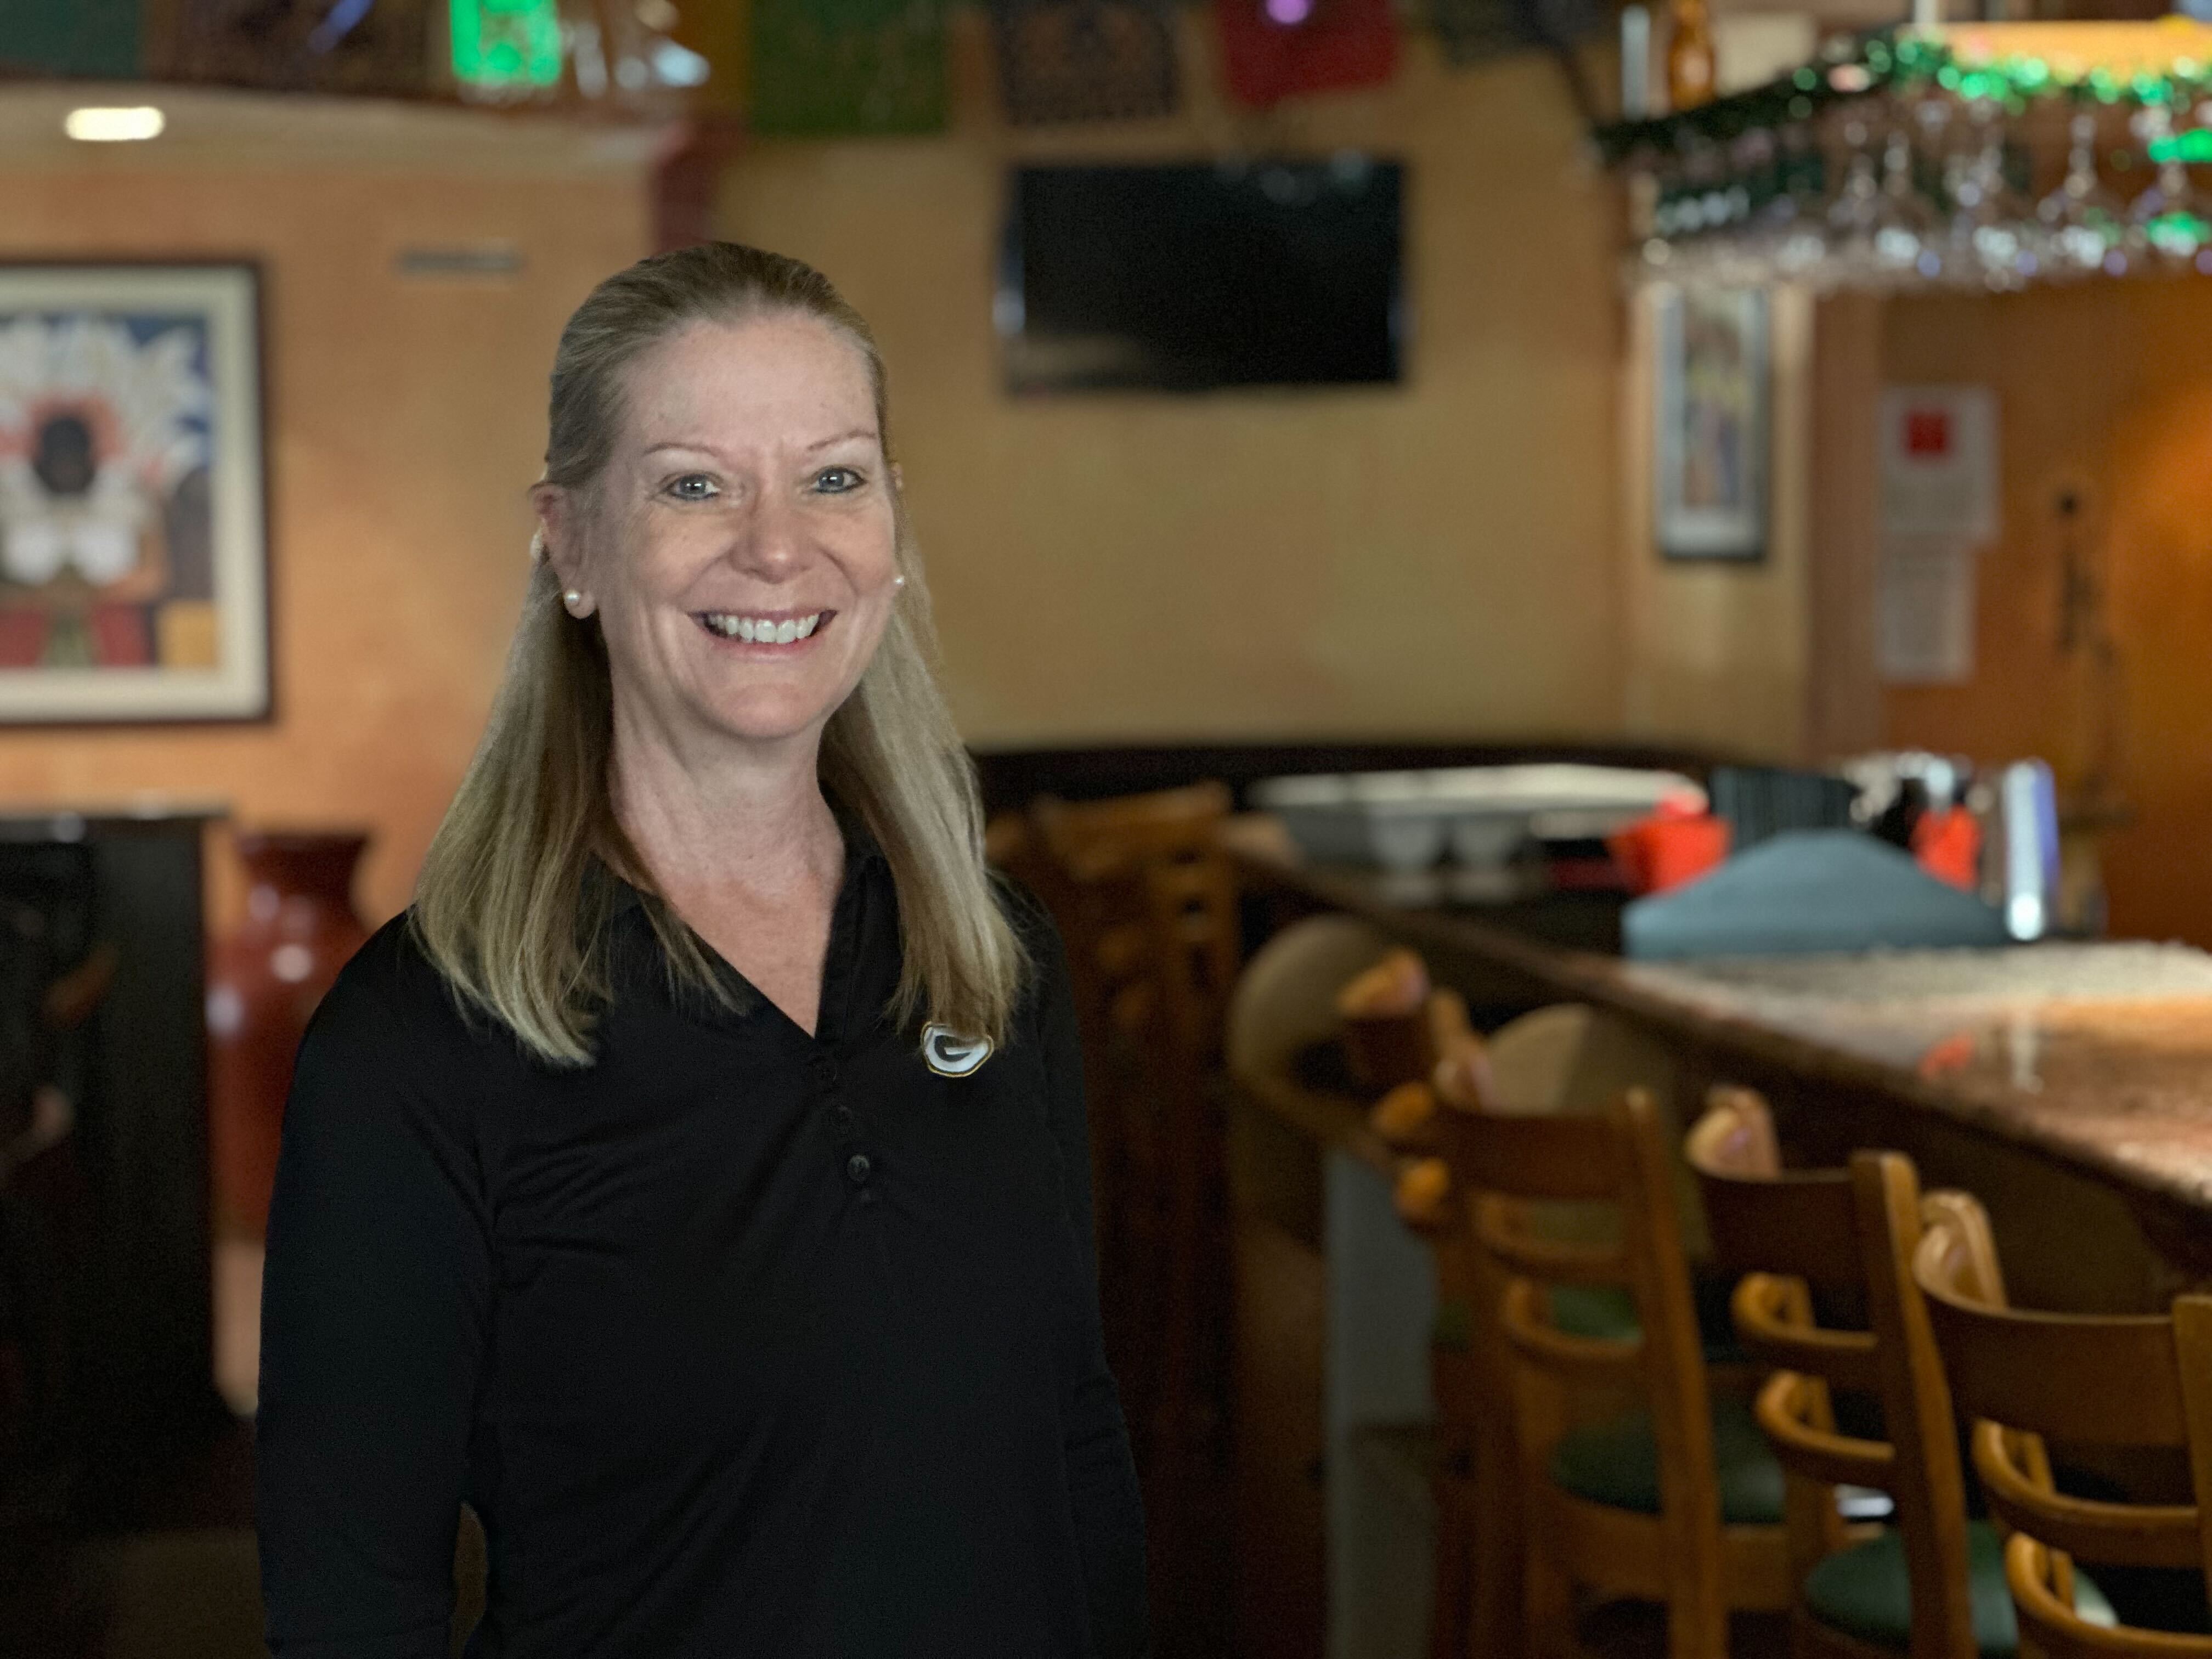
(1710, 423)
(134, 567)
(382, 48)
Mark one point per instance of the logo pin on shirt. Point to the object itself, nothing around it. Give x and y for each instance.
(952, 1056)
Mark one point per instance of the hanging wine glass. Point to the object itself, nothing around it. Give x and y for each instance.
(1908, 246)
(1794, 222)
(1701, 207)
(1741, 255)
(1938, 167)
(1984, 244)
(2085, 222)
(1855, 217)
(2164, 223)
(1655, 200)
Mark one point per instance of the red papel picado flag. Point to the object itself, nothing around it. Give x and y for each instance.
(1276, 49)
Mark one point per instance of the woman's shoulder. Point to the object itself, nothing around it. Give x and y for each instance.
(390, 992)
(390, 1086)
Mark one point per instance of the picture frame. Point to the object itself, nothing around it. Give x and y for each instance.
(384, 49)
(1712, 423)
(134, 562)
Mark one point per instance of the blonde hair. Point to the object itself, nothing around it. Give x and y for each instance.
(513, 904)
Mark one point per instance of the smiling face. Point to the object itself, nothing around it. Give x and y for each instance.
(740, 546)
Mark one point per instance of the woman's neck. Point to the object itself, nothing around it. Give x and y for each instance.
(705, 823)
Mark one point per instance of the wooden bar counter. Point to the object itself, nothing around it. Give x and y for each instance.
(2068, 1086)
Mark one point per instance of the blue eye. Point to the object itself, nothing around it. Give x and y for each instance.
(836, 480)
(692, 487)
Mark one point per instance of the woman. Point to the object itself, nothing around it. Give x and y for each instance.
(695, 1182)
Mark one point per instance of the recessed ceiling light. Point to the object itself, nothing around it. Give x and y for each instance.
(97, 125)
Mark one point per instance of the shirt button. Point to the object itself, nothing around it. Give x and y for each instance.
(846, 1119)
(823, 1068)
(858, 1168)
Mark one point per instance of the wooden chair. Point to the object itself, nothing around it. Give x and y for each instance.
(1837, 1243)
(1148, 907)
(1669, 1504)
(2133, 1382)
(1140, 887)
(1285, 1005)
(1148, 904)
(1192, 926)
(1558, 1059)
(1426, 1204)
(1088, 862)
(1093, 858)
(1803, 1235)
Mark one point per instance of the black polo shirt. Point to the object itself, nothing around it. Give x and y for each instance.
(740, 1342)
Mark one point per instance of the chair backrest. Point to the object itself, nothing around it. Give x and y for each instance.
(1097, 838)
(1147, 902)
(1841, 1238)
(2112, 1381)
(1195, 934)
(1929, 1485)
(1766, 1220)
(1499, 1162)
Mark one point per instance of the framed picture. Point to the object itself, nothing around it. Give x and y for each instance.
(1711, 422)
(134, 578)
(382, 48)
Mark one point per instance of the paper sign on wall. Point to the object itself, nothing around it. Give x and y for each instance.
(1939, 507)
(1939, 462)
(1924, 633)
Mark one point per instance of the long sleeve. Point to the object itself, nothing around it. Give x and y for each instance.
(1102, 1477)
(373, 1316)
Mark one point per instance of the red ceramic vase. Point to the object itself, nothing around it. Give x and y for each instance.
(263, 985)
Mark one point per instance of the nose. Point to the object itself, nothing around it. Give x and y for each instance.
(769, 541)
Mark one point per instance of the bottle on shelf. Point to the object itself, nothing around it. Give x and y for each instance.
(1692, 69)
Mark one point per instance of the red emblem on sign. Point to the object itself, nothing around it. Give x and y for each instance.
(1928, 432)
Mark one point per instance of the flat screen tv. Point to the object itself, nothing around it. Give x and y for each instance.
(1188, 278)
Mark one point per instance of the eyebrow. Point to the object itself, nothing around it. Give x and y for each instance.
(699, 448)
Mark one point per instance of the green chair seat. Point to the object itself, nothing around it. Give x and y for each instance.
(1864, 1592)
(1617, 1464)
(1599, 1312)
(1609, 1311)
(1604, 1313)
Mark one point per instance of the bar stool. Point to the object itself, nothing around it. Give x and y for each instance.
(1840, 1241)
(1193, 935)
(1564, 1058)
(1095, 856)
(1677, 1502)
(1426, 1205)
(2118, 1381)
(1284, 1007)
(1093, 864)
(1148, 903)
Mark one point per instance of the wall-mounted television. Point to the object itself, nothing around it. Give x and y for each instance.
(1260, 272)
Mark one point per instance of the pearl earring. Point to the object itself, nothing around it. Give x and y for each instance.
(578, 605)
(898, 581)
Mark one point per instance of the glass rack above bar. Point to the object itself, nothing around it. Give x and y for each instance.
(1984, 157)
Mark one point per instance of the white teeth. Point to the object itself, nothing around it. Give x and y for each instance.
(761, 630)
